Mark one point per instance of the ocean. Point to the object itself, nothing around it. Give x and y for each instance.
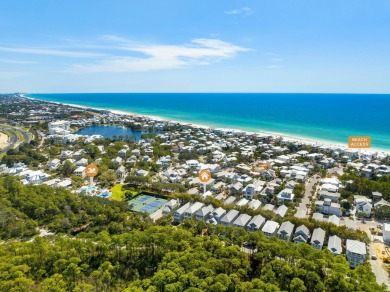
(323, 117)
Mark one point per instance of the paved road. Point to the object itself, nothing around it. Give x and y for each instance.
(42, 138)
(376, 265)
(308, 188)
(14, 139)
(310, 182)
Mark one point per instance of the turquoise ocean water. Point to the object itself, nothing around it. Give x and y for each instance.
(330, 117)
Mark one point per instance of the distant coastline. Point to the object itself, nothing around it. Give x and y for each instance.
(204, 123)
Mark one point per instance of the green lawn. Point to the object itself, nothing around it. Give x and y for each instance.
(20, 136)
(117, 193)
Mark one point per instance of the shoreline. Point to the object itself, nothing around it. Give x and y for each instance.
(286, 136)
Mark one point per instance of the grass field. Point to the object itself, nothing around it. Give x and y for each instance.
(117, 193)
(20, 136)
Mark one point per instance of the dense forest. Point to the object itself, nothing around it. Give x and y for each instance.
(98, 245)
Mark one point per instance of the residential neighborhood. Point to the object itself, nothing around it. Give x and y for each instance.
(287, 189)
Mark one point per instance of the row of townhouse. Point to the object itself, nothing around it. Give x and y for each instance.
(355, 250)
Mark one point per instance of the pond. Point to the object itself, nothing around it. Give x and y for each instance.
(111, 132)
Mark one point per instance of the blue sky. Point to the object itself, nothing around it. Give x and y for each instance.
(195, 46)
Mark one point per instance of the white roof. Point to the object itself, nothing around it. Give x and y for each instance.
(270, 226)
(386, 227)
(242, 202)
(357, 247)
(80, 169)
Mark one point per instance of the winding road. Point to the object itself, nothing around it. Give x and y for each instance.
(14, 140)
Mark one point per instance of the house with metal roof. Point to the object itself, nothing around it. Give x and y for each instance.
(334, 219)
(242, 220)
(191, 210)
(356, 252)
(228, 219)
(334, 245)
(285, 231)
(351, 224)
(204, 213)
(178, 215)
(254, 204)
(229, 200)
(169, 207)
(301, 235)
(281, 211)
(269, 207)
(216, 216)
(317, 239)
(256, 223)
(386, 233)
(318, 216)
(285, 196)
(270, 228)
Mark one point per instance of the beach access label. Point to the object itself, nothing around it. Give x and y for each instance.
(359, 142)
(91, 170)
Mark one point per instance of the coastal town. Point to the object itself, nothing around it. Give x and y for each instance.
(325, 195)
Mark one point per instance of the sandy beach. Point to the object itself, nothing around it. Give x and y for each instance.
(3, 140)
(286, 136)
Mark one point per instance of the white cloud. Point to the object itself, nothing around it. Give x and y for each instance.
(51, 52)
(161, 57)
(273, 66)
(11, 75)
(244, 11)
(17, 62)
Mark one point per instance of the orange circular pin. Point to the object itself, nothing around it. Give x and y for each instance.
(91, 170)
(204, 175)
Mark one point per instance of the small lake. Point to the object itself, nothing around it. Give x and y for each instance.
(110, 132)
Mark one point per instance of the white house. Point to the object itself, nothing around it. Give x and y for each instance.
(334, 245)
(142, 172)
(356, 252)
(386, 232)
(285, 196)
(285, 231)
(190, 211)
(242, 221)
(363, 204)
(328, 207)
(242, 202)
(66, 154)
(256, 223)
(178, 215)
(122, 153)
(317, 239)
(82, 162)
(59, 127)
(228, 219)
(192, 163)
(121, 172)
(80, 171)
(254, 204)
(53, 164)
(270, 228)
(118, 160)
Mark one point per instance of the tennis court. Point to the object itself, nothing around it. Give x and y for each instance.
(146, 203)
